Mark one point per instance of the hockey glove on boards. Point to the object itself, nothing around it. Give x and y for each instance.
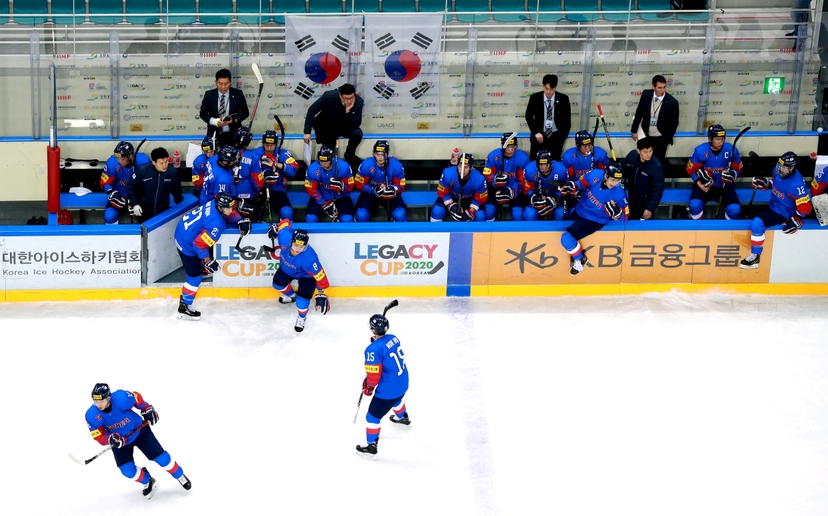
(613, 210)
(116, 199)
(792, 225)
(150, 415)
(210, 266)
(762, 183)
(244, 226)
(116, 441)
(729, 176)
(367, 389)
(322, 303)
(273, 232)
(705, 179)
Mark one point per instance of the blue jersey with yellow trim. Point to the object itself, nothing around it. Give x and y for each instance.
(385, 356)
(789, 196)
(303, 264)
(250, 176)
(591, 205)
(119, 417)
(474, 191)
(535, 182)
(199, 230)
(715, 164)
(217, 180)
(514, 168)
(576, 164)
(116, 176)
(370, 175)
(318, 180)
(290, 170)
(199, 170)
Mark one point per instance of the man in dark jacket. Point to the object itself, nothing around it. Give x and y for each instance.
(151, 184)
(657, 117)
(223, 109)
(549, 117)
(645, 180)
(337, 113)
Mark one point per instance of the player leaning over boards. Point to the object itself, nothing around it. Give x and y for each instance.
(112, 422)
(789, 201)
(298, 261)
(387, 374)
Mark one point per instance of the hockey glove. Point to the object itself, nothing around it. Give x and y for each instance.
(569, 188)
(116, 441)
(236, 174)
(330, 209)
(322, 303)
(267, 162)
(150, 415)
(613, 210)
(387, 192)
(273, 232)
(367, 388)
(729, 176)
(504, 195)
(245, 207)
(792, 225)
(705, 179)
(244, 226)
(116, 199)
(271, 177)
(549, 205)
(537, 200)
(470, 214)
(136, 211)
(500, 180)
(210, 266)
(337, 185)
(762, 183)
(456, 211)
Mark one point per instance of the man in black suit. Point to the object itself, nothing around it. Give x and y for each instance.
(549, 118)
(657, 118)
(337, 113)
(223, 109)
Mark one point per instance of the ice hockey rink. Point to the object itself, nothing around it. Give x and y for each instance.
(658, 404)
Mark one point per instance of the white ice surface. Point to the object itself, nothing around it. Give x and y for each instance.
(664, 404)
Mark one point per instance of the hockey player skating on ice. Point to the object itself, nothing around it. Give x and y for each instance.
(603, 200)
(789, 202)
(298, 261)
(111, 418)
(712, 177)
(386, 379)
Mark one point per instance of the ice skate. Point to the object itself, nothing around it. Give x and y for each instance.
(286, 300)
(300, 323)
(369, 451)
(185, 482)
(400, 420)
(151, 487)
(576, 266)
(186, 313)
(751, 262)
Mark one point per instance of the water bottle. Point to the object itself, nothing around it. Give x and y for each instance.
(176, 161)
(455, 156)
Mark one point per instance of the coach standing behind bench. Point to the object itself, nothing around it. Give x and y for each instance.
(657, 117)
(337, 113)
(223, 109)
(549, 117)
(151, 184)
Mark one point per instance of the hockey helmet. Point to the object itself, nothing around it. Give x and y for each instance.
(378, 324)
(227, 156)
(208, 143)
(382, 147)
(270, 137)
(325, 154)
(242, 138)
(507, 139)
(464, 164)
(300, 238)
(224, 200)
(788, 160)
(544, 160)
(613, 170)
(716, 131)
(583, 138)
(124, 150)
(100, 391)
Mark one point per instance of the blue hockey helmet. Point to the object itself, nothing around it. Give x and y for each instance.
(242, 138)
(100, 391)
(227, 156)
(379, 324)
(613, 170)
(325, 154)
(583, 138)
(716, 131)
(789, 160)
(382, 147)
(507, 139)
(209, 143)
(544, 160)
(270, 138)
(225, 200)
(124, 150)
(300, 237)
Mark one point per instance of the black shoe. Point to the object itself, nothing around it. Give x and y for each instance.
(187, 313)
(402, 421)
(751, 262)
(185, 482)
(369, 451)
(151, 487)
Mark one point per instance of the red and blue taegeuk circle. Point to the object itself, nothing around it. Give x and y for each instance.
(403, 66)
(323, 68)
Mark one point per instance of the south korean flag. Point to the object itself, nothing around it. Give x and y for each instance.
(402, 65)
(319, 49)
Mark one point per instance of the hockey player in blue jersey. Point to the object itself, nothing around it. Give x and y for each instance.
(196, 233)
(275, 171)
(247, 175)
(789, 202)
(603, 199)
(585, 156)
(380, 180)
(208, 150)
(116, 174)
(386, 379)
(461, 193)
(112, 421)
(712, 178)
(298, 261)
(329, 182)
(504, 170)
(219, 177)
(541, 182)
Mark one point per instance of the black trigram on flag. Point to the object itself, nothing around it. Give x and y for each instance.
(420, 90)
(385, 91)
(384, 42)
(421, 40)
(305, 43)
(303, 91)
(341, 43)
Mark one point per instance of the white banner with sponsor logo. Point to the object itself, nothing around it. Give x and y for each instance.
(349, 259)
(402, 65)
(47, 262)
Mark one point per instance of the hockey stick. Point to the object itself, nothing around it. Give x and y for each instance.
(592, 157)
(109, 447)
(606, 132)
(729, 163)
(752, 155)
(389, 306)
(258, 75)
